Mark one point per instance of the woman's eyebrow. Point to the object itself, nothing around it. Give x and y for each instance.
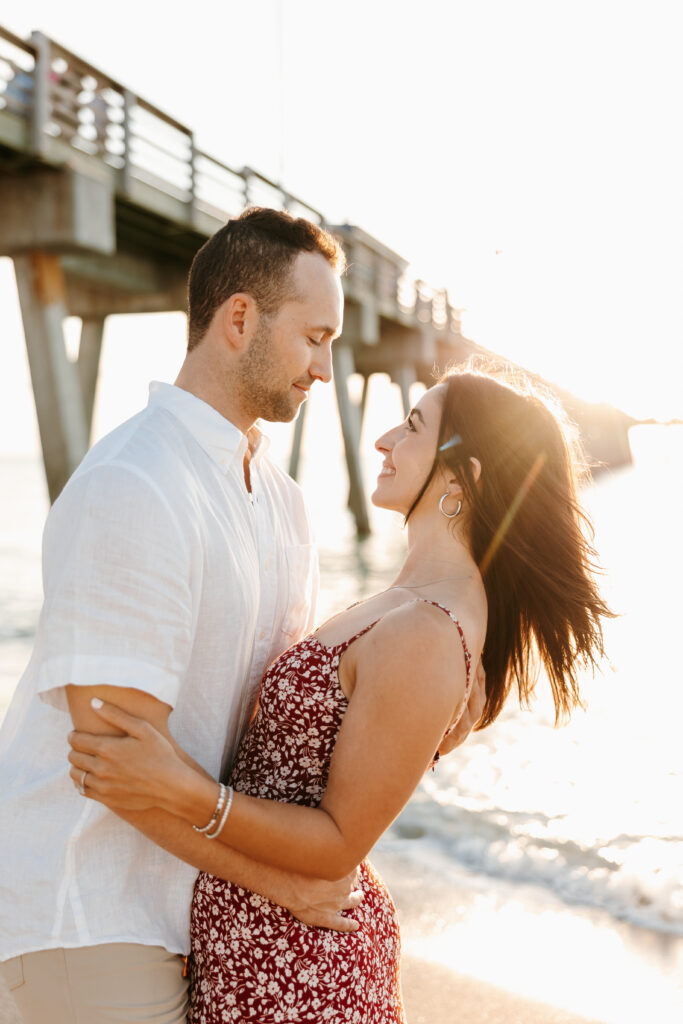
(416, 412)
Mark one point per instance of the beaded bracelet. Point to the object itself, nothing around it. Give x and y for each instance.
(224, 818)
(217, 810)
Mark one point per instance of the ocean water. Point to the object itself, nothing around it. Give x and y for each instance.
(592, 812)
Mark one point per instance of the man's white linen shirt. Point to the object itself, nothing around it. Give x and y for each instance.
(160, 572)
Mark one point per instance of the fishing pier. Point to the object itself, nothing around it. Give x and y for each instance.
(104, 200)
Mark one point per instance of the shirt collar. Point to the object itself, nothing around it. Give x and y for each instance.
(220, 438)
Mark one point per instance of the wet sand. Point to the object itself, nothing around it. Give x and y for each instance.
(436, 995)
(482, 951)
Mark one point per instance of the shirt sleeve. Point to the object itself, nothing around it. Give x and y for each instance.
(118, 603)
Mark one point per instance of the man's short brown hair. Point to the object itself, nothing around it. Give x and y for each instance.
(253, 254)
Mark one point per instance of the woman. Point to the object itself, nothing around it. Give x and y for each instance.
(350, 718)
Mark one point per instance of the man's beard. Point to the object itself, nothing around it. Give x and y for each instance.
(260, 398)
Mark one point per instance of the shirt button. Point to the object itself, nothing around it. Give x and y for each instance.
(267, 565)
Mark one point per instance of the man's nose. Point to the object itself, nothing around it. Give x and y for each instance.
(321, 365)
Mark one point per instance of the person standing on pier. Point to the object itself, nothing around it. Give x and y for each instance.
(178, 563)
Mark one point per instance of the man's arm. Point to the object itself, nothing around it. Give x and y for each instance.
(312, 901)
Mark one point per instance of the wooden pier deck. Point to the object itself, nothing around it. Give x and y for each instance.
(104, 199)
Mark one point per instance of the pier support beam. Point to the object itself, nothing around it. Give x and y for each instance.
(89, 352)
(64, 430)
(363, 401)
(342, 356)
(295, 453)
(361, 420)
(405, 376)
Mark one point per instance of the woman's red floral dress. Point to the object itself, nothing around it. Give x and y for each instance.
(251, 960)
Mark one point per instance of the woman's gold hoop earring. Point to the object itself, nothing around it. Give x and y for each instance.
(449, 515)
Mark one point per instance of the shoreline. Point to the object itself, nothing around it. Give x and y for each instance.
(433, 994)
(485, 951)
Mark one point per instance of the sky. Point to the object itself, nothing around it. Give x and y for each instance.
(524, 155)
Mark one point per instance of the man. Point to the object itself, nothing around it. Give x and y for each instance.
(177, 564)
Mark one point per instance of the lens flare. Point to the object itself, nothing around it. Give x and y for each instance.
(506, 522)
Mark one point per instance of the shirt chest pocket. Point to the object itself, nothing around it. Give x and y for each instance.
(300, 567)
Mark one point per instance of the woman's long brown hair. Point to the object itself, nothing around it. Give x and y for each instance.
(528, 534)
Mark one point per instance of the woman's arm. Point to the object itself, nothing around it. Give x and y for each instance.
(409, 677)
(311, 900)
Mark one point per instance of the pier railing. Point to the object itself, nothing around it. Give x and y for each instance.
(105, 200)
(59, 110)
(66, 104)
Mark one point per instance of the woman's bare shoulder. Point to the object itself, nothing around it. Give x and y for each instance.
(417, 640)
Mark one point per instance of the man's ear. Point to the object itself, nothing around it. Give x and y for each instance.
(239, 319)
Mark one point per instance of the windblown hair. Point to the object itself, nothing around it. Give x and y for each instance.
(528, 534)
(253, 254)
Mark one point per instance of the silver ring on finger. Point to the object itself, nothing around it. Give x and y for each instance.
(81, 787)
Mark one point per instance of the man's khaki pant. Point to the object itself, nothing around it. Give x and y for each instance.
(118, 981)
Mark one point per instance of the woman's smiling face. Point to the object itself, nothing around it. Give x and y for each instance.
(409, 451)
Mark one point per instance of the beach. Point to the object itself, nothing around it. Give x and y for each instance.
(435, 995)
(476, 951)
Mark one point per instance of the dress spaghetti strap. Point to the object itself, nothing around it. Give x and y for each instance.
(424, 600)
(465, 648)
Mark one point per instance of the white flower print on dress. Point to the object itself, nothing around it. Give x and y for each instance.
(278, 969)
